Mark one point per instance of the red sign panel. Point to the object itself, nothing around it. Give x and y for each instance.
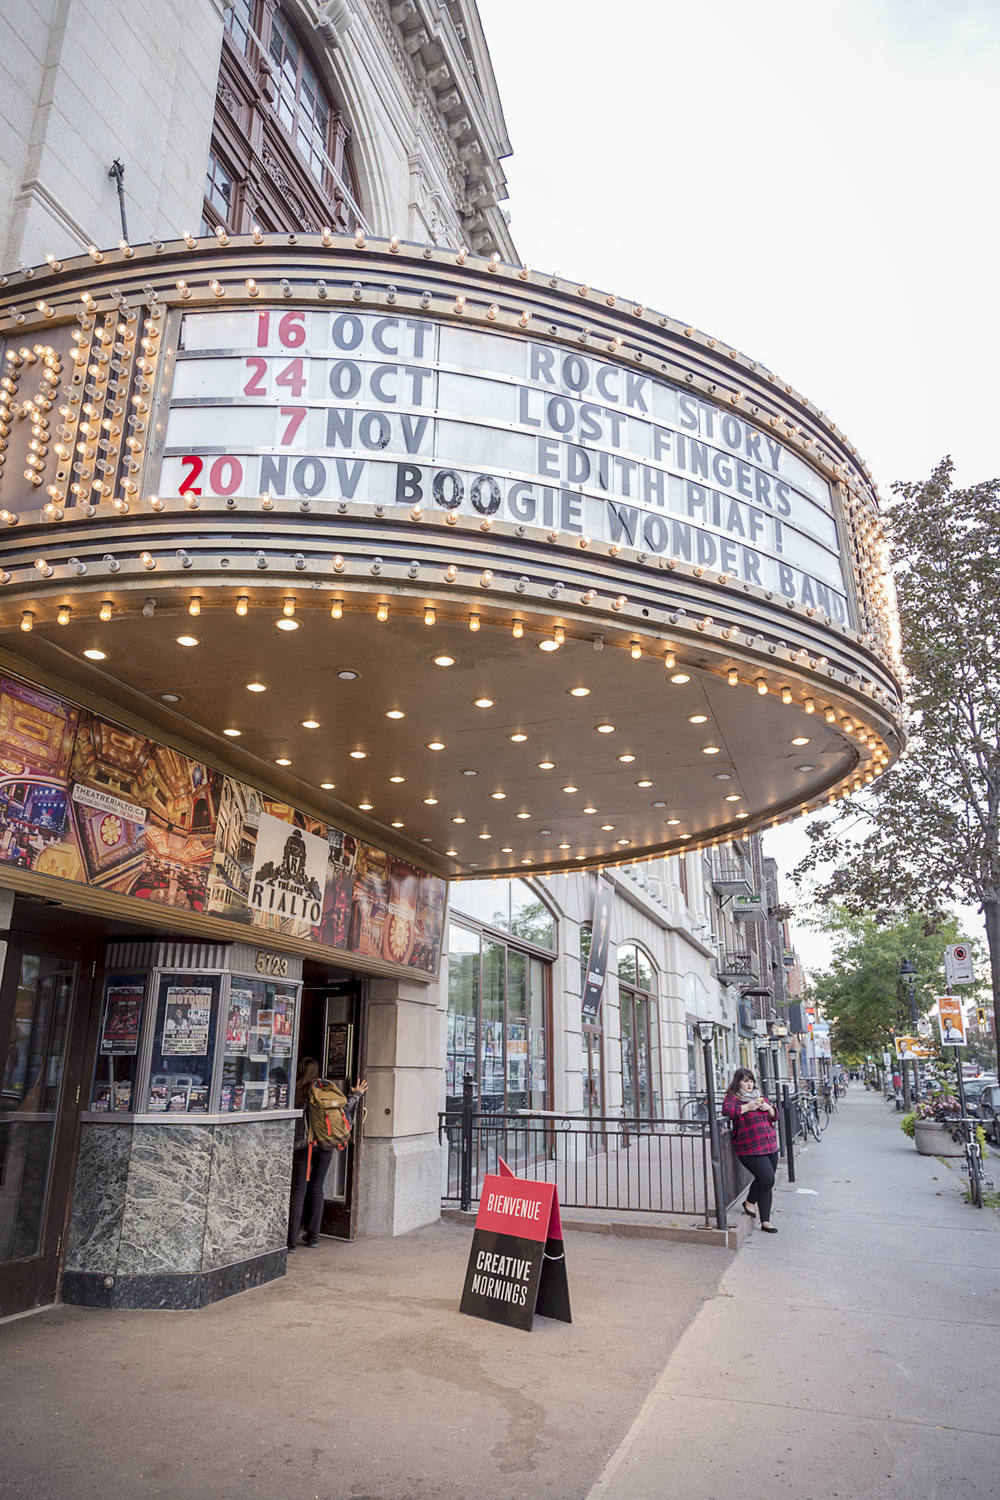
(512, 1205)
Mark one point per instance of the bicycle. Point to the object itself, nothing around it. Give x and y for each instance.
(974, 1162)
(809, 1119)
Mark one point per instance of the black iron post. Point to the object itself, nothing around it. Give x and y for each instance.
(468, 1084)
(714, 1134)
(786, 1110)
(117, 171)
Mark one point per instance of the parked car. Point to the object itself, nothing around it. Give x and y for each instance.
(973, 1089)
(988, 1110)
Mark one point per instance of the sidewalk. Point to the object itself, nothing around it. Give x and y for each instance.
(853, 1354)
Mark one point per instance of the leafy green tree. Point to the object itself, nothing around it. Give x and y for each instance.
(927, 834)
(861, 992)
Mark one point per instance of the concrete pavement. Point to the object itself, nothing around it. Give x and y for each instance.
(852, 1354)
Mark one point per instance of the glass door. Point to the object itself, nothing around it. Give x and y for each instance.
(42, 1040)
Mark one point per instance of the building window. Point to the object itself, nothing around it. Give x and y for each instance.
(239, 24)
(642, 1095)
(497, 1023)
(300, 104)
(510, 906)
(218, 190)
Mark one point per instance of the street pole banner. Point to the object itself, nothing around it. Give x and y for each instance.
(600, 944)
(517, 1265)
(951, 1020)
(958, 964)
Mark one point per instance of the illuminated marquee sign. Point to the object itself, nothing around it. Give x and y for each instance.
(412, 411)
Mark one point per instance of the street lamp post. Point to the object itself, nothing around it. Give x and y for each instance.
(706, 1031)
(907, 970)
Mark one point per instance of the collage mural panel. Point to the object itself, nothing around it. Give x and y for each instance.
(87, 800)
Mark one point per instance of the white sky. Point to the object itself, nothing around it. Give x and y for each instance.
(813, 181)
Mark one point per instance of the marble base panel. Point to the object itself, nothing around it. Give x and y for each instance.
(180, 1293)
(401, 1184)
(166, 1203)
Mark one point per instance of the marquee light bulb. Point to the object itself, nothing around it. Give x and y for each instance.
(761, 687)
(809, 706)
(733, 677)
(288, 607)
(64, 614)
(517, 629)
(474, 622)
(242, 604)
(636, 650)
(107, 609)
(830, 715)
(27, 619)
(337, 609)
(382, 612)
(786, 695)
(194, 606)
(430, 615)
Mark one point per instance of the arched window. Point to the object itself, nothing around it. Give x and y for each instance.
(280, 154)
(642, 1089)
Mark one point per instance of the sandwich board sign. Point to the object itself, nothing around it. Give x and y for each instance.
(517, 1265)
(958, 964)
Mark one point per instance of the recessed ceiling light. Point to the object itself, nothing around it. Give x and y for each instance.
(485, 835)
(166, 697)
(710, 749)
(590, 809)
(580, 692)
(398, 825)
(470, 772)
(546, 832)
(282, 760)
(733, 797)
(506, 849)
(458, 820)
(531, 861)
(498, 796)
(743, 815)
(623, 841)
(365, 806)
(451, 853)
(805, 768)
(605, 728)
(684, 835)
(444, 661)
(659, 804)
(626, 759)
(436, 745)
(672, 822)
(327, 786)
(310, 723)
(483, 702)
(347, 675)
(284, 624)
(427, 841)
(518, 739)
(546, 765)
(524, 815)
(697, 718)
(358, 754)
(644, 783)
(397, 779)
(723, 775)
(546, 645)
(680, 677)
(607, 827)
(187, 640)
(256, 687)
(569, 788)
(800, 739)
(233, 734)
(565, 846)
(431, 801)
(95, 655)
(395, 713)
(579, 856)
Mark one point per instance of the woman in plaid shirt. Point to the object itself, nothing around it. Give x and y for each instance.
(755, 1141)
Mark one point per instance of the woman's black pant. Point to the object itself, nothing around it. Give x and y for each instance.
(762, 1168)
(306, 1209)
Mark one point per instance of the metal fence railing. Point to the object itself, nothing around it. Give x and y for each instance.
(599, 1163)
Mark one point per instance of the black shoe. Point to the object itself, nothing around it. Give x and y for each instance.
(289, 1248)
(310, 1242)
(768, 1229)
(749, 1212)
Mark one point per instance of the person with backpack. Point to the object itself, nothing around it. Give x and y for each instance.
(322, 1127)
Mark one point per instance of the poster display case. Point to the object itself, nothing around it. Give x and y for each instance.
(213, 1042)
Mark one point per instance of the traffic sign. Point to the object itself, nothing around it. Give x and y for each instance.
(958, 964)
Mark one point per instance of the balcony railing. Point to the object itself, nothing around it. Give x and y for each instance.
(730, 876)
(734, 966)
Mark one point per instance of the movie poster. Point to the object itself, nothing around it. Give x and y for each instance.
(289, 878)
(186, 1022)
(429, 923)
(36, 745)
(237, 822)
(282, 1025)
(370, 906)
(238, 1023)
(399, 931)
(336, 923)
(122, 1016)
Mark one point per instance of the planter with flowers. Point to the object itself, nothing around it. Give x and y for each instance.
(935, 1127)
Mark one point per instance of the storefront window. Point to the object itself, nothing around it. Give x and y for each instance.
(117, 1052)
(183, 1043)
(260, 1028)
(640, 1035)
(509, 906)
(496, 1023)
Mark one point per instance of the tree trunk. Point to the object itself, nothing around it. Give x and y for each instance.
(906, 1085)
(991, 916)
